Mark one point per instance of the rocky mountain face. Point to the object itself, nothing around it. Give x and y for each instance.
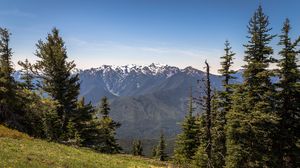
(145, 99)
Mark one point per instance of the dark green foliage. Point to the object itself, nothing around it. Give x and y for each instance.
(57, 80)
(86, 124)
(187, 142)
(288, 101)
(160, 149)
(108, 130)
(226, 63)
(203, 156)
(251, 121)
(200, 158)
(137, 148)
(9, 113)
(221, 103)
(38, 111)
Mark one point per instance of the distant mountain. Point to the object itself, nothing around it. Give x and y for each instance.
(145, 99)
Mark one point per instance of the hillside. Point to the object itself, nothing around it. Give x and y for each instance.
(20, 150)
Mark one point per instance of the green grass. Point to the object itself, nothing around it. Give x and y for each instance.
(19, 150)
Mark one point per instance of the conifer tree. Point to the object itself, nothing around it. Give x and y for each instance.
(56, 75)
(137, 148)
(251, 121)
(203, 157)
(8, 88)
(161, 147)
(87, 124)
(221, 104)
(187, 142)
(200, 158)
(108, 130)
(288, 101)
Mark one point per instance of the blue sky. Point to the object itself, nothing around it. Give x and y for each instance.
(174, 32)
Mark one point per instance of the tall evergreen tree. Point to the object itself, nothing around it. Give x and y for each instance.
(57, 78)
(289, 101)
(161, 147)
(251, 122)
(8, 88)
(203, 157)
(108, 130)
(187, 142)
(221, 105)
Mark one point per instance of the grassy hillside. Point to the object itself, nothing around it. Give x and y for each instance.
(20, 150)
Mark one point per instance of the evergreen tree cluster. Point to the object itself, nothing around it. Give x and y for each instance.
(137, 148)
(252, 124)
(159, 151)
(45, 104)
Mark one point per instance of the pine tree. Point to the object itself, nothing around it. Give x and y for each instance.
(187, 142)
(289, 101)
(9, 113)
(57, 78)
(221, 104)
(251, 121)
(206, 118)
(108, 130)
(161, 147)
(137, 148)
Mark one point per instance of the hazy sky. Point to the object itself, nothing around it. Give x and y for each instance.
(181, 33)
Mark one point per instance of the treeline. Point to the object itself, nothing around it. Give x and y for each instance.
(252, 124)
(45, 103)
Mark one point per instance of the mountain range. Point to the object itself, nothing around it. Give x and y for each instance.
(144, 99)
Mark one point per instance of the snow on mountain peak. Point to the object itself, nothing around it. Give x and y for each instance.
(153, 69)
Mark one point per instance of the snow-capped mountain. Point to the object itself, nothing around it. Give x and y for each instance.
(145, 99)
(128, 80)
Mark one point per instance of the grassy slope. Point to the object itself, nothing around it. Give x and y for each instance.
(19, 150)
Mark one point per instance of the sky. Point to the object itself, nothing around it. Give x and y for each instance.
(118, 32)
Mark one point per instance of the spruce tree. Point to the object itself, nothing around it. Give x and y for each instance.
(187, 142)
(161, 147)
(137, 148)
(57, 79)
(221, 104)
(108, 130)
(9, 113)
(288, 101)
(251, 121)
